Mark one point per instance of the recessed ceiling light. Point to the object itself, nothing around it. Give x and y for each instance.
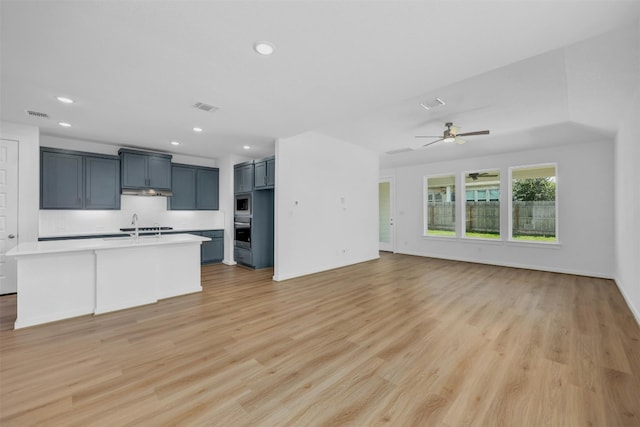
(65, 100)
(175, 143)
(197, 129)
(64, 124)
(246, 147)
(264, 47)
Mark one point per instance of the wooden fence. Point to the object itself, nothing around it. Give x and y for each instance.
(534, 218)
(529, 218)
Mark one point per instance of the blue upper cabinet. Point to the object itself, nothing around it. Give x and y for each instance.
(160, 172)
(77, 180)
(265, 172)
(194, 188)
(142, 170)
(61, 185)
(101, 183)
(183, 184)
(243, 177)
(207, 189)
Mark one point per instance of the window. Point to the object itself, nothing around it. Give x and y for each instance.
(482, 204)
(533, 203)
(440, 206)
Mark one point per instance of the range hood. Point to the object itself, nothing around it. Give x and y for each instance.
(145, 192)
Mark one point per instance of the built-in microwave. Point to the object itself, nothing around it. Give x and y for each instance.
(243, 204)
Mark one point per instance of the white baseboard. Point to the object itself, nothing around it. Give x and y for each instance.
(515, 265)
(281, 277)
(634, 311)
(227, 262)
(53, 317)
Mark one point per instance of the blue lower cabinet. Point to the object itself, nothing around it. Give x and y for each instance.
(213, 250)
(243, 256)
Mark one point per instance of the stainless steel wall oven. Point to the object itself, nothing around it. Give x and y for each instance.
(242, 232)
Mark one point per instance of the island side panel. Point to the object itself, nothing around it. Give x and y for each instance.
(178, 270)
(125, 278)
(54, 286)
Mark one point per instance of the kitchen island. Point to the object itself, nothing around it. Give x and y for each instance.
(67, 278)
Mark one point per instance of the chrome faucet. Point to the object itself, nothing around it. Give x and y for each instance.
(134, 222)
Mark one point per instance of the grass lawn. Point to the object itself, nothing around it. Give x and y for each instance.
(441, 233)
(550, 239)
(483, 235)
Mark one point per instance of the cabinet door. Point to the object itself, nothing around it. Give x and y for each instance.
(183, 185)
(271, 173)
(60, 181)
(102, 183)
(237, 180)
(243, 179)
(260, 175)
(207, 189)
(134, 170)
(213, 250)
(159, 173)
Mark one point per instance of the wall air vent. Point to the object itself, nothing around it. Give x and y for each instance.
(205, 107)
(37, 114)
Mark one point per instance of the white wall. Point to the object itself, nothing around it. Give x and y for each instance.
(585, 210)
(28, 177)
(150, 210)
(227, 202)
(326, 205)
(627, 207)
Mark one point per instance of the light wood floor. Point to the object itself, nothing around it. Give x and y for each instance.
(398, 341)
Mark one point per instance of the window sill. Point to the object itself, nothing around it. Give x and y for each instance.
(496, 242)
(534, 244)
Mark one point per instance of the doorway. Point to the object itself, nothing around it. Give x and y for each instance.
(386, 234)
(8, 213)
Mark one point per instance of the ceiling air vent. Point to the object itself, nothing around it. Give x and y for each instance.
(205, 107)
(37, 114)
(433, 103)
(400, 150)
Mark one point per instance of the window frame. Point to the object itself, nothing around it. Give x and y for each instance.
(463, 207)
(425, 204)
(510, 237)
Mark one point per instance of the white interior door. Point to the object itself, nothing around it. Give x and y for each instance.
(386, 228)
(8, 213)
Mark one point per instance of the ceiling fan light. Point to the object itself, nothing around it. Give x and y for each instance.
(264, 47)
(449, 139)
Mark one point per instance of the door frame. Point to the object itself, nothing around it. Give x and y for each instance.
(391, 246)
(13, 227)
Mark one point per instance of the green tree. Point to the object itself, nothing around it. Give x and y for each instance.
(534, 189)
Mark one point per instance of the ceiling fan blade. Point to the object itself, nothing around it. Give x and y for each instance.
(459, 140)
(479, 132)
(437, 140)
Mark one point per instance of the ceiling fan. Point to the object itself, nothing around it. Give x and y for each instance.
(475, 175)
(451, 134)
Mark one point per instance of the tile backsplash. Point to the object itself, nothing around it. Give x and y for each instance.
(150, 210)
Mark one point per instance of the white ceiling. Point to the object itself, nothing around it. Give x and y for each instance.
(356, 70)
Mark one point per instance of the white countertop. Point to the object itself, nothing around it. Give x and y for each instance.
(76, 245)
(124, 233)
